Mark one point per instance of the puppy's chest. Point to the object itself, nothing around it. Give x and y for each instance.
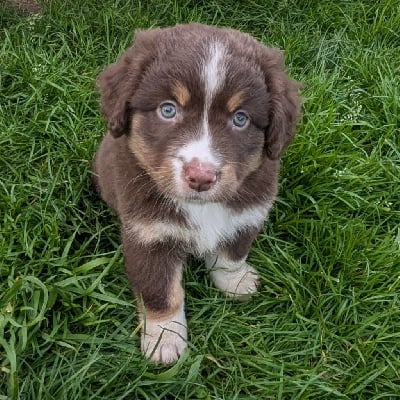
(213, 223)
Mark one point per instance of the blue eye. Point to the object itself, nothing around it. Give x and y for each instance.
(168, 110)
(240, 119)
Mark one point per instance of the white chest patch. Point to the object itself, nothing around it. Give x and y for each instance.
(213, 223)
(210, 224)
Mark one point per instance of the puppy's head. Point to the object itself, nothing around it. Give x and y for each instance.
(203, 107)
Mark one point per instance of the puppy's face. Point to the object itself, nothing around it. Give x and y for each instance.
(198, 121)
(202, 108)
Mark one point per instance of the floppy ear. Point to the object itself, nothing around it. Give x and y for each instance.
(284, 103)
(118, 81)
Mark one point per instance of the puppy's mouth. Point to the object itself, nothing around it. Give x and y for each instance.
(199, 197)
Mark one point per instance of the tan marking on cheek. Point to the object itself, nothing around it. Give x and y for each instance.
(161, 172)
(136, 143)
(181, 93)
(255, 162)
(228, 178)
(234, 102)
(139, 148)
(136, 122)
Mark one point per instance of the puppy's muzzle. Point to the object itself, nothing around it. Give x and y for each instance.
(200, 176)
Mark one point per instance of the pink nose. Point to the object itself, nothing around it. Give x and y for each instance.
(200, 176)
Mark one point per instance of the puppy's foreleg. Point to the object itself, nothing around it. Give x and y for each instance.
(155, 272)
(228, 267)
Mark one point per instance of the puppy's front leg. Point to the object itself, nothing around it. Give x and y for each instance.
(155, 272)
(229, 269)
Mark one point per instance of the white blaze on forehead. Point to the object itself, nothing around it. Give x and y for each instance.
(213, 71)
(213, 75)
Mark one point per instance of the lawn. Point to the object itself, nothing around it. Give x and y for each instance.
(326, 321)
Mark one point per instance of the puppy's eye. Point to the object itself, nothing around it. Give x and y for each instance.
(240, 119)
(168, 110)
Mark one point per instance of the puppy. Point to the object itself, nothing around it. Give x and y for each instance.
(198, 118)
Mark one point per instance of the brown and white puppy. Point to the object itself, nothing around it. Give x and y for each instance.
(198, 117)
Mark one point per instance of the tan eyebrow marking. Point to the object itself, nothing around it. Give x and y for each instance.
(235, 101)
(181, 93)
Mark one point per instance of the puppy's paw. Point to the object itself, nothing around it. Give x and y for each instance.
(164, 340)
(239, 281)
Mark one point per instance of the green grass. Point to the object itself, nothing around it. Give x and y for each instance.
(326, 323)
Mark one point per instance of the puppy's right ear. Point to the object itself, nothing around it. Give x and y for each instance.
(118, 81)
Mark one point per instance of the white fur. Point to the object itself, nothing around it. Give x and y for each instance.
(234, 278)
(164, 340)
(202, 150)
(199, 148)
(209, 225)
(214, 223)
(213, 73)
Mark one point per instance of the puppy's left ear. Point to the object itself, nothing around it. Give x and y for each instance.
(284, 103)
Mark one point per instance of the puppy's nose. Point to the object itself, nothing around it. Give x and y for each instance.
(200, 176)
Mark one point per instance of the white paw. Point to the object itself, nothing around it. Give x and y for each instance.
(164, 340)
(236, 280)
